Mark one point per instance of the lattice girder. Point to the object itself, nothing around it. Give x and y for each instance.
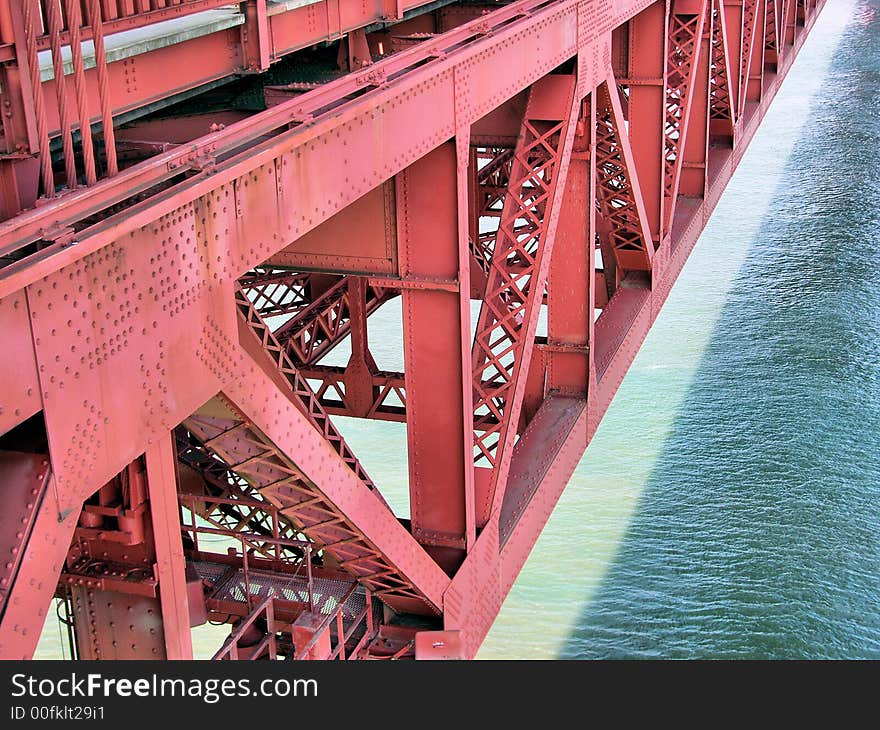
(721, 109)
(623, 230)
(684, 34)
(517, 274)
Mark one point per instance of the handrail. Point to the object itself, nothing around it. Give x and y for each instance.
(266, 607)
(254, 541)
(121, 15)
(336, 615)
(230, 647)
(209, 154)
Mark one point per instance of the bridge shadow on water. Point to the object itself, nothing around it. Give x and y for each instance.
(756, 534)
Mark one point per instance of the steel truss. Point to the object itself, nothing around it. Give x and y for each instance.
(167, 323)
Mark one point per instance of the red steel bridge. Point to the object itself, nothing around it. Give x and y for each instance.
(200, 200)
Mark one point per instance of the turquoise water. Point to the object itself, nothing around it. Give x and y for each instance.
(728, 505)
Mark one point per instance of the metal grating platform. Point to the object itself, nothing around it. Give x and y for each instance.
(327, 593)
(209, 572)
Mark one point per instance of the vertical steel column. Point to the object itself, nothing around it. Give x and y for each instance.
(686, 22)
(647, 69)
(19, 172)
(789, 22)
(359, 371)
(255, 40)
(117, 619)
(432, 244)
(696, 145)
(753, 44)
(19, 123)
(161, 463)
(571, 282)
(133, 525)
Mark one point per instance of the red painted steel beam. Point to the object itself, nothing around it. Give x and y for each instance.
(753, 52)
(258, 339)
(19, 363)
(162, 481)
(131, 324)
(573, 435)
(29, 598)
(270, 411)
(124, 571)
(695, 149)
(305, 153)
(134, 53)
(330, 247)
(331, 388)
(722, 89)
(570, 328)
(624, 234)
(737, 28)
(435, 324)
(142, 79)
(274, 31)
(326, 321)
(25, 479)
(646, 54)
(772, 33)
(276, 292)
